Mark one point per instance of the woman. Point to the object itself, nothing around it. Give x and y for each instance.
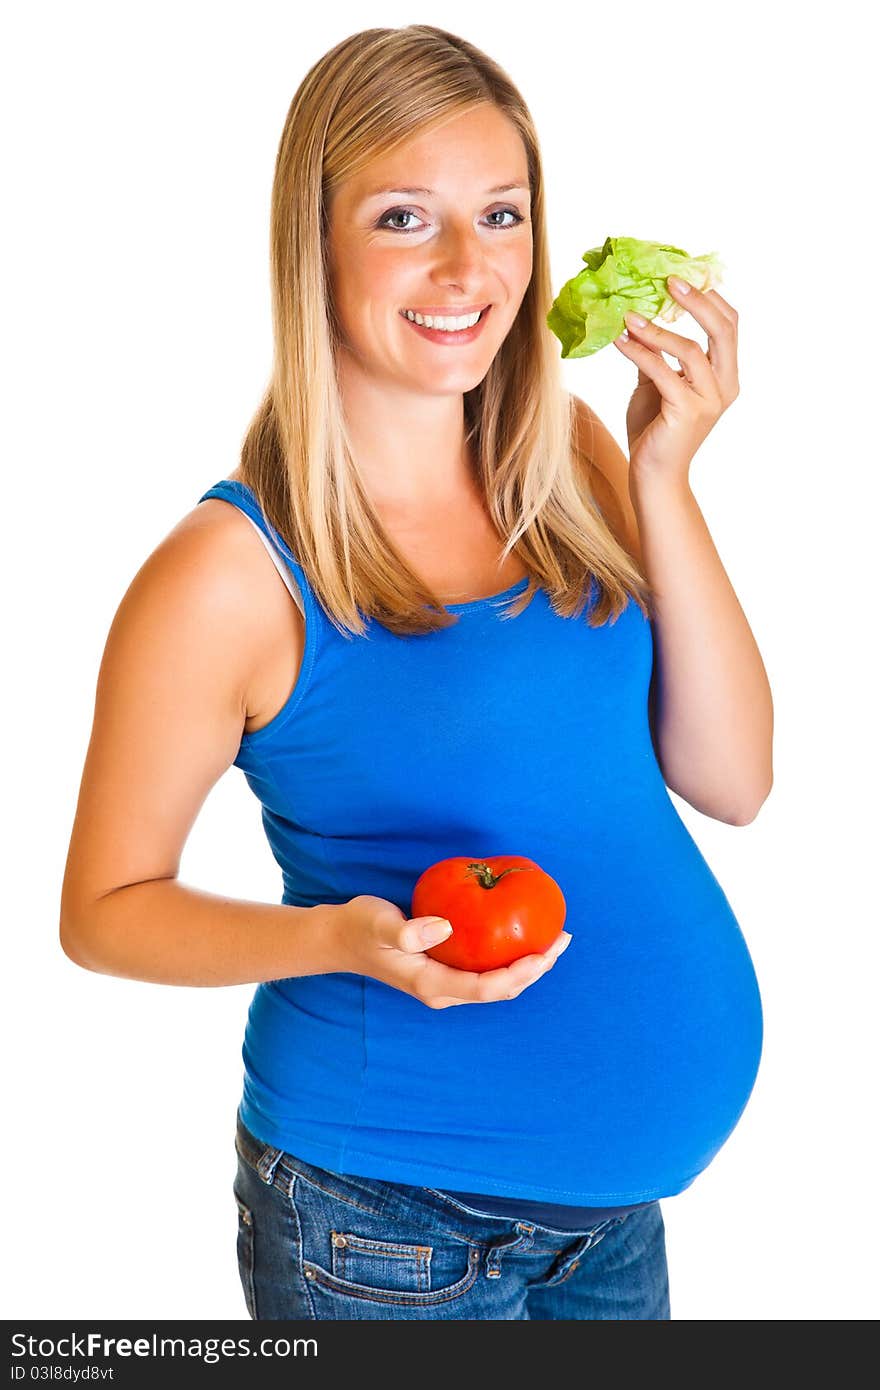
(458, 661)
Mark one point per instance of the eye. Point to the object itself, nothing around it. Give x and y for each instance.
(397, 212)
(507, 212)
(410, 212)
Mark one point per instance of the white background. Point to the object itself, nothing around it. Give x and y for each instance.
(139, 149)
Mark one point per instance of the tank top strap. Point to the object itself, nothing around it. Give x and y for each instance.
(241, 496)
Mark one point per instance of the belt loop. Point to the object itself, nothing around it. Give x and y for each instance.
(521, 1241)
(268, 1162)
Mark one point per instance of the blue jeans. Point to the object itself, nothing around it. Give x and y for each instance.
(318, 1244)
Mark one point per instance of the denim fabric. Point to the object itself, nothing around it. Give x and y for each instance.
(321, 1245)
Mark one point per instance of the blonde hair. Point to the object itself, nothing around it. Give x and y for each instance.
(534, 468)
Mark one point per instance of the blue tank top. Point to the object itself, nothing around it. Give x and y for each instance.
(615, 1079)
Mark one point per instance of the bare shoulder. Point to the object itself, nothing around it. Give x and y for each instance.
(224, 541)
(270, 624)
(214, 563)
(216, 517)
(609, 477)
(209, 564)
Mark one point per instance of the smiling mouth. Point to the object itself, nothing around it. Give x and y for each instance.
(449, 337)
(415, 315)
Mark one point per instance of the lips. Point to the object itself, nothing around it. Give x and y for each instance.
(446, 338)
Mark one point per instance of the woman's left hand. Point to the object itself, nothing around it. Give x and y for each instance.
(671, 412)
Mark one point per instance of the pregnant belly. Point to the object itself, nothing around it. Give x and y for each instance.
(621, 1072)
(671, 1039)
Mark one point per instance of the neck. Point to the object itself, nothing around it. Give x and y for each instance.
(409, 448)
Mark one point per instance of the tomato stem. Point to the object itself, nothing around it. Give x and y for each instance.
(485, 876)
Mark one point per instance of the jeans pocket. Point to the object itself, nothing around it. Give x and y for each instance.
(245, 1253)
(355, 1252)
(389, 1266)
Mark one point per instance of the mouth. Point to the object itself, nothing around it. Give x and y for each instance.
(450, 337)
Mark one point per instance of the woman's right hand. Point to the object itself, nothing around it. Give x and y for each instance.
(376, 939)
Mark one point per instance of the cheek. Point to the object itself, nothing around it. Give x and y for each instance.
(512, 264)
(371, 284)
(383, 278)
(522, 263)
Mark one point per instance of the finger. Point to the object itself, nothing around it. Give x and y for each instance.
(674, 386)
(562, 943)
(697, 367)
(704, 302)
(420, 934)
(704, 305)
(509, 981)
(438, 981)
(720, 321)
(446, 982)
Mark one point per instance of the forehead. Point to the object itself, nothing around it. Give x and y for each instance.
(479, 151)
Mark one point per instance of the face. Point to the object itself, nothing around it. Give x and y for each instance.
(460, 247)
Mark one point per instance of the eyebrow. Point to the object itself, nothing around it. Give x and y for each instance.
(502, 188)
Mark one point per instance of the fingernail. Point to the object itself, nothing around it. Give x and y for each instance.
(635, 320)
(680, 285)
(434, 930)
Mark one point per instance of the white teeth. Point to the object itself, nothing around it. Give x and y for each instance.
(448, 325)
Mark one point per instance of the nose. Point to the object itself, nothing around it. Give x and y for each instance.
(461, 256)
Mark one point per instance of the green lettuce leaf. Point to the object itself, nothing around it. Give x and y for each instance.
(624, 274)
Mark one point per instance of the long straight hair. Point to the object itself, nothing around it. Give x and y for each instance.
(363, 98)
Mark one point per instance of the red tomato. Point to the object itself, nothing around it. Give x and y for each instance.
(500, 908)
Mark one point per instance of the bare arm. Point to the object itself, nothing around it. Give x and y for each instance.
(170, 708)
(169, 713)
(710, 705)
(168, 933)
(714, 707)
